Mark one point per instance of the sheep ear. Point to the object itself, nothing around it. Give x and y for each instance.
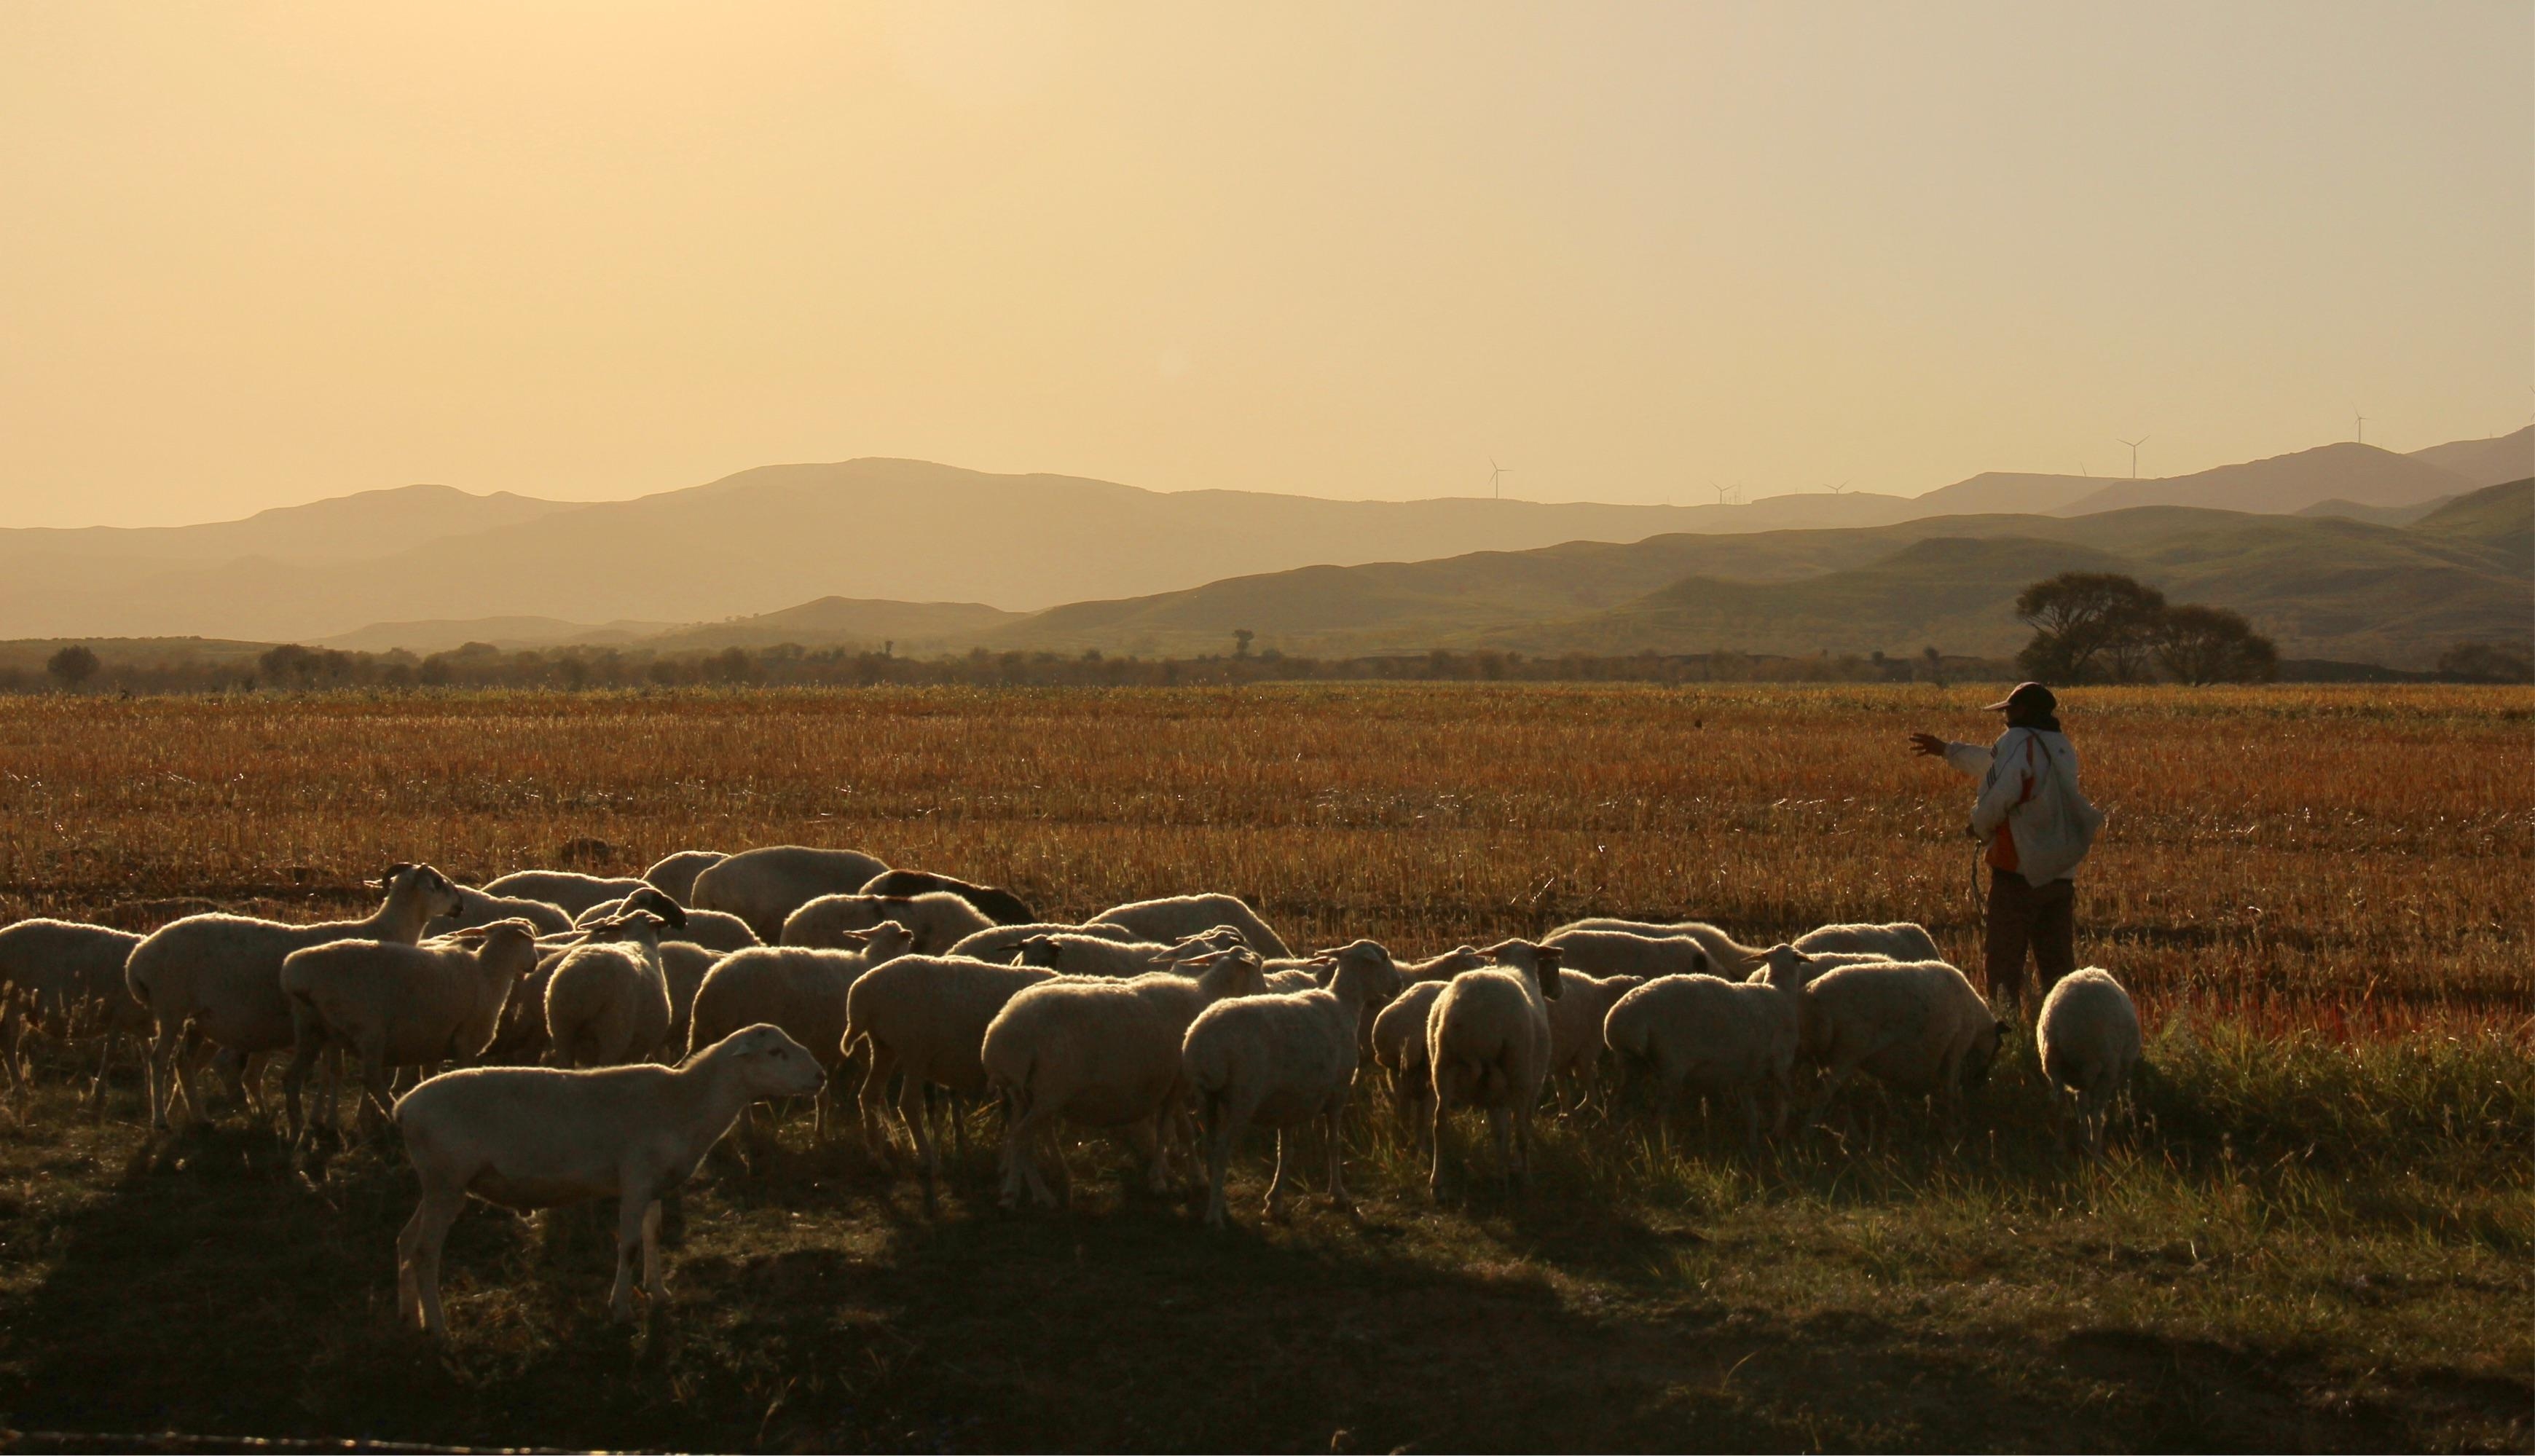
(388, 878)
(471, 935)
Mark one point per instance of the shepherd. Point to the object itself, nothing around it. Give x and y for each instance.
(2038, 826)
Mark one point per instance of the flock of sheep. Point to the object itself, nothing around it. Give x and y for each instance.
(608, 1032)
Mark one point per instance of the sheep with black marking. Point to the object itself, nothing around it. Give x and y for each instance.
(763, 886)
(999, 906)
(1286, 1060)
(1917, 1026)
(675, 875)
(2089, 1040)
(1178, 917)
(711, 928)
(1001, 943)
(1101, 1054)
(798, 988)
(1071, 955)
(393, 1006)
(219, 977)
(924, 1018)
(607, 999)
(569, 891)
(937, 919)
(1487, 1046)
(538, 1137)
(1731, 1039)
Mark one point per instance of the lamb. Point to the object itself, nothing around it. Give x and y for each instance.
(799, 989)
(538, 1137)
(219, 976)
(675, 875)
(75, 972)
(1915, 1025)
(1178, 917)
(1487, 1046)
(399, 1005)
(1284, 1059)
(607, 1000)
(1727, 956)
(763, 886)
(476, 907)
(1575, 1018)
(1400, 1048)
(2089, 1038)
(937, 919)
(566, 889)
(1901, 941)
(926, 1017)
(1101, 1054)
(999, 906)
(1629, 953)
(711, 928)
(1731, 1039)
(1002, 942)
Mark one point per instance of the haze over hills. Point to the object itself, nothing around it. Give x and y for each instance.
(2347, 471)
(2479, 462)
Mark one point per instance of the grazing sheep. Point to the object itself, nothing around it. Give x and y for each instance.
(937, 919)
(1734, 1039)
(1917, 1026)
(671, 915)
(684, 966)
(607, 1000)
(711, 928)
(219, 977)
(1791, 970)
(999, 906)
(1726, 956)
(476, 907)
(799, 989)
(1487, 1046)
(1103, 1053)
(1003, 942)
(2089, 1036)
(1629, 953)
(1093, 955)
(1400, 1048)
(1902, 941)
(1284, 1059)
(75, 973)
(538, 1137)
(926, 1017)
(399, 1005)
(1575, 1016)
(675, 875)
(569, 891)
(763, 886)
(1442, 967)
(1178, 917)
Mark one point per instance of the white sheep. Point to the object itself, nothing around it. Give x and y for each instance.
(75, 972)
(1734, 1039)
(1286, 1059)
(2090, 1039)
(1001, 943)
(607, 1000)
(937, 919)
(1727, 956)
(1575, 1016)
(1178, 917)
(569, 891)
(683, 967)
(1071, 955)
(395, 1006)
(1442, 967)
(219, 976)
(1103, 1053)
(711, 928)
(1901, 941)
(477, 907)
(538, 1137)
(925, 1017)
(675, 875)
(999, 906)
(1487, 1046)
(763, 886)
(798, 988)
(1917, 1026)
(1400, 1048)
(1596, 952)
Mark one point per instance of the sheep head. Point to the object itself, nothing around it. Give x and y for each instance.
(438, 895)
(771, 1064)
(656, 902)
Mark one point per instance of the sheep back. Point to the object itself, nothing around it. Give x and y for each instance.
(763, 886)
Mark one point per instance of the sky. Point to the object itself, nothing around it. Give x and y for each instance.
(253, 254)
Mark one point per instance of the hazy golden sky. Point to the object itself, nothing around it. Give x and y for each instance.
(252, 254)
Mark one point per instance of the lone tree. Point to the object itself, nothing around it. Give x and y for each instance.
(2088, 624)
(2199, 644)
(1241, 639)
(72, 666)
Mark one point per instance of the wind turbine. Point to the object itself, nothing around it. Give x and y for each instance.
(1839, 489)
(2134, 445)
(1720, 490)
(1495, 477)
(2363, 424)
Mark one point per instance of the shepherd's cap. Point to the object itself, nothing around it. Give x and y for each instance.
(2029, 698)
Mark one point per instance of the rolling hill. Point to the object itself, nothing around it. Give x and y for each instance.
(2479, 462)
(2360, 474)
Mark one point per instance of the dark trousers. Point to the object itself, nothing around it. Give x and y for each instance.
(2021, 915)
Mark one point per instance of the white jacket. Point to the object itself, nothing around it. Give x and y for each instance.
(2029, 784)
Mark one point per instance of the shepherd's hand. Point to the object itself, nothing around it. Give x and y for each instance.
(1927, 745)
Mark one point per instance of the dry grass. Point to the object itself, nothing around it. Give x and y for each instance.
(2320, 1236)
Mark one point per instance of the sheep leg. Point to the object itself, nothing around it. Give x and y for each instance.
(1020, 1167)
(378, 1105)
(195, 1108)
(294, 1081)
(418, 1255)
(653, 1284)
(1152, 1146)
(161, 1065)
(1503, 1135)
(1335, 1121)
(96, 1089)
(910, 1111)
(1224, 1133)
(634, 1227)
(1436, 1102)
(874, 1095)
(958, 1116)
